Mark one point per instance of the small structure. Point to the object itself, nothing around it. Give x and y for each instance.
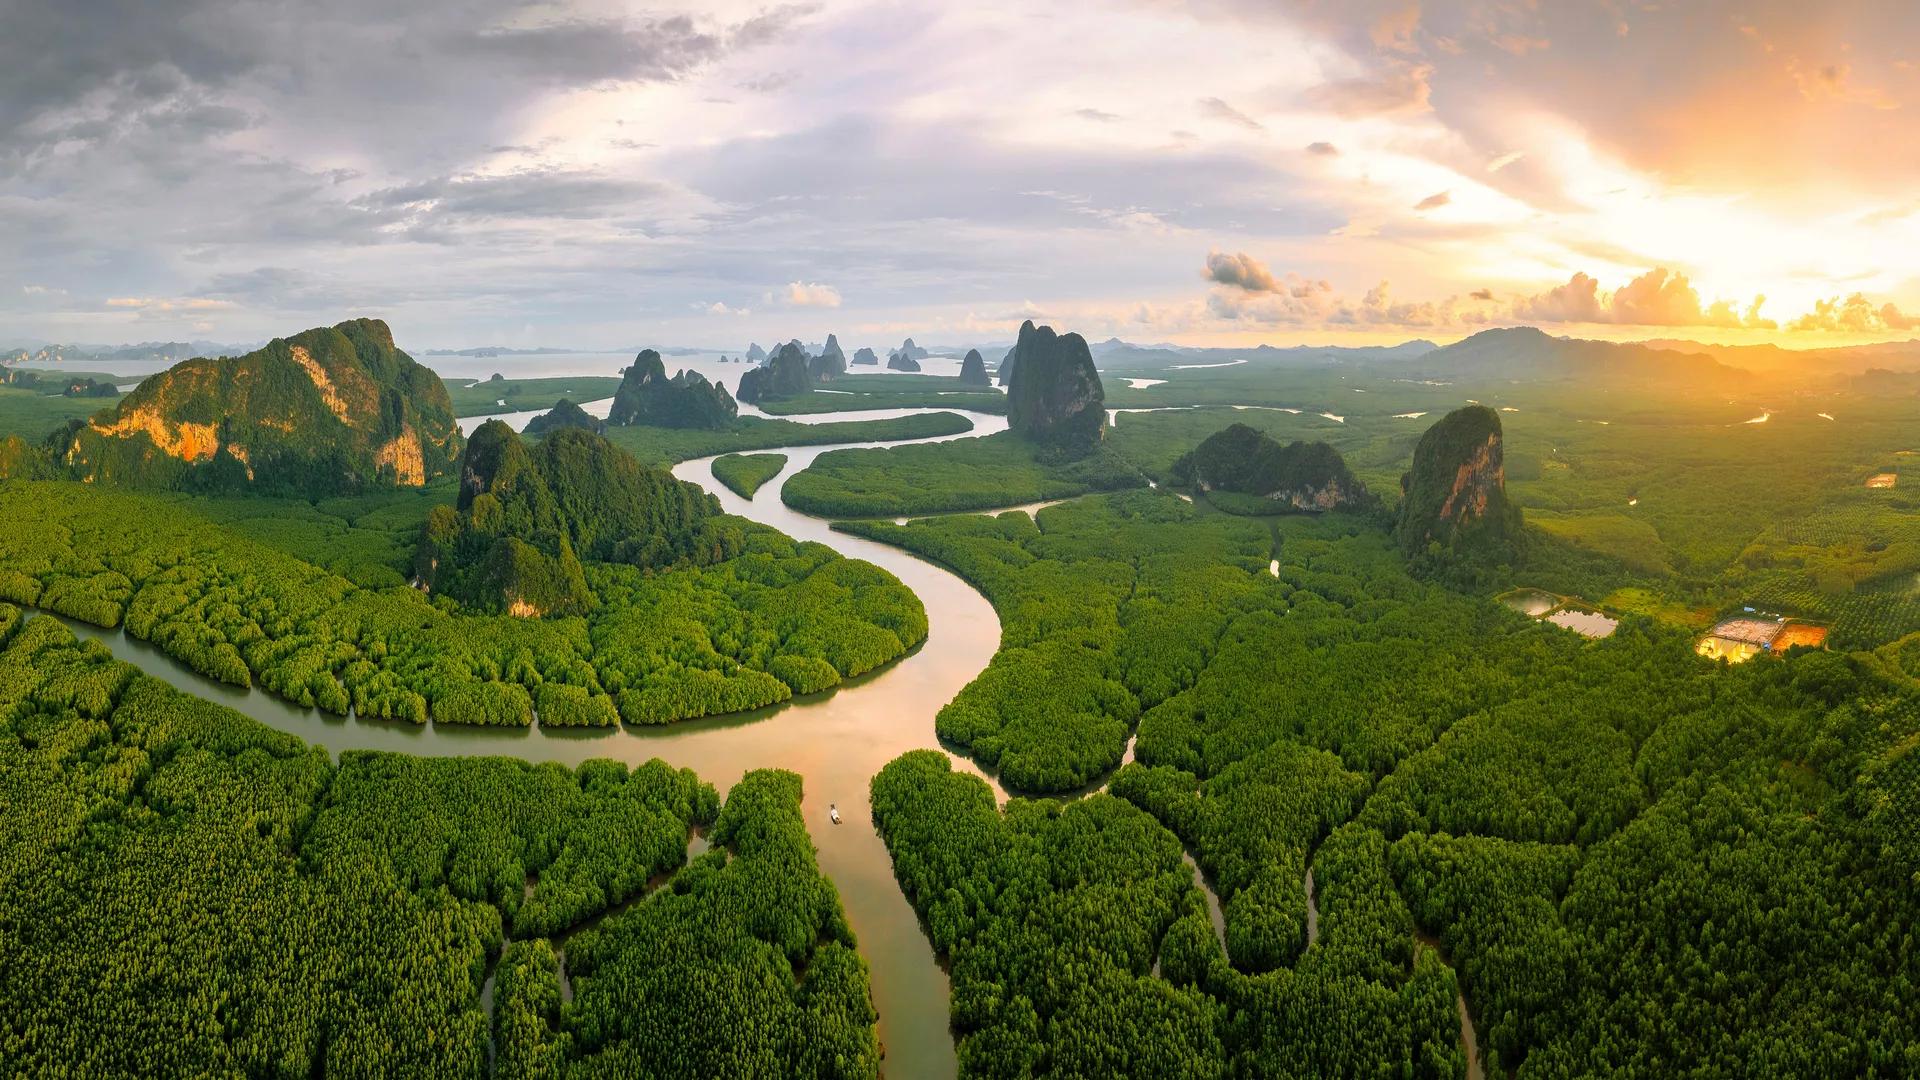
(1744, 637)
(1881, 481)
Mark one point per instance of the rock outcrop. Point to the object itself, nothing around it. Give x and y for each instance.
(1055, 396)
(1302, 475)
(527, 517)
(325, 411)
(830, 364)
(1005, 372)
(973, 369)
(756, 354)
(564, 414)
(865, 355)
(900, 361)
(688, 400)
(1455, 496)
(911, 351)
(787, 374)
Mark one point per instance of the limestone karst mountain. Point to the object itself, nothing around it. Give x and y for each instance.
(1302, 475)
(973, 369)
(327, 410)
(787, 374)
(1055, 396)
(1455, 496)
(688, 400)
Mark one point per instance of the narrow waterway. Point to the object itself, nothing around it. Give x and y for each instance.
(836, 741)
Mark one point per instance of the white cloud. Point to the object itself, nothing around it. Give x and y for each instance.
(810, 294)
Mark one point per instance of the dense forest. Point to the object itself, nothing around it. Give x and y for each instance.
(971, 474)
(778, 619)
(861, 392)
(188, 892)
(744, 473)
(1292, 795)
(1637, 861)
(666, 446)
(529, 516)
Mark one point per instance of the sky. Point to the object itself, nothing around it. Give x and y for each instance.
(602, 175)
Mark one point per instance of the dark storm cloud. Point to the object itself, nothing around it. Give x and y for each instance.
(52, 55)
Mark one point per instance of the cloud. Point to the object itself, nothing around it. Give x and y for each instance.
(1856, 314)
(535, 193)
(1658, 297)
(1434, 201)
(1098, 116)
(152, 307)
(1399, 89)
(1220, 110)
(1297, 301)
(1576, 301)
(1481, 294)
(590, 51)
(1505, 160)
(1394, 30)
(1240, 271)
(1323, 149)
(719, 307)
(810, 294)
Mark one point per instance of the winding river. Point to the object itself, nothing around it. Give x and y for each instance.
(837, 741)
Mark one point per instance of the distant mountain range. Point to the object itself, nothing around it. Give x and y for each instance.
(487, 352)
(145, 352)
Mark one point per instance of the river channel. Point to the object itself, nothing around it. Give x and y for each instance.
(836, 741)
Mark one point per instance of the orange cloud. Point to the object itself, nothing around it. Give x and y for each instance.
(1856, 314)
(1241, 271)
(1658, 297)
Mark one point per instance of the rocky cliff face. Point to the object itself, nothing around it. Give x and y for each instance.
(1055, 396)
(1005, 372)
(756, 354)
(973, 369)
(787, 374)
(1455, 496)
(866, 356)
(325, 411)
(688, 400)
(830, 364)
(1301, 475)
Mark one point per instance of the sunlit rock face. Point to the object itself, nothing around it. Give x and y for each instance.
(333, 409)
(1455, 496)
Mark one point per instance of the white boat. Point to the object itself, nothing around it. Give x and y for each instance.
(833, 813)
